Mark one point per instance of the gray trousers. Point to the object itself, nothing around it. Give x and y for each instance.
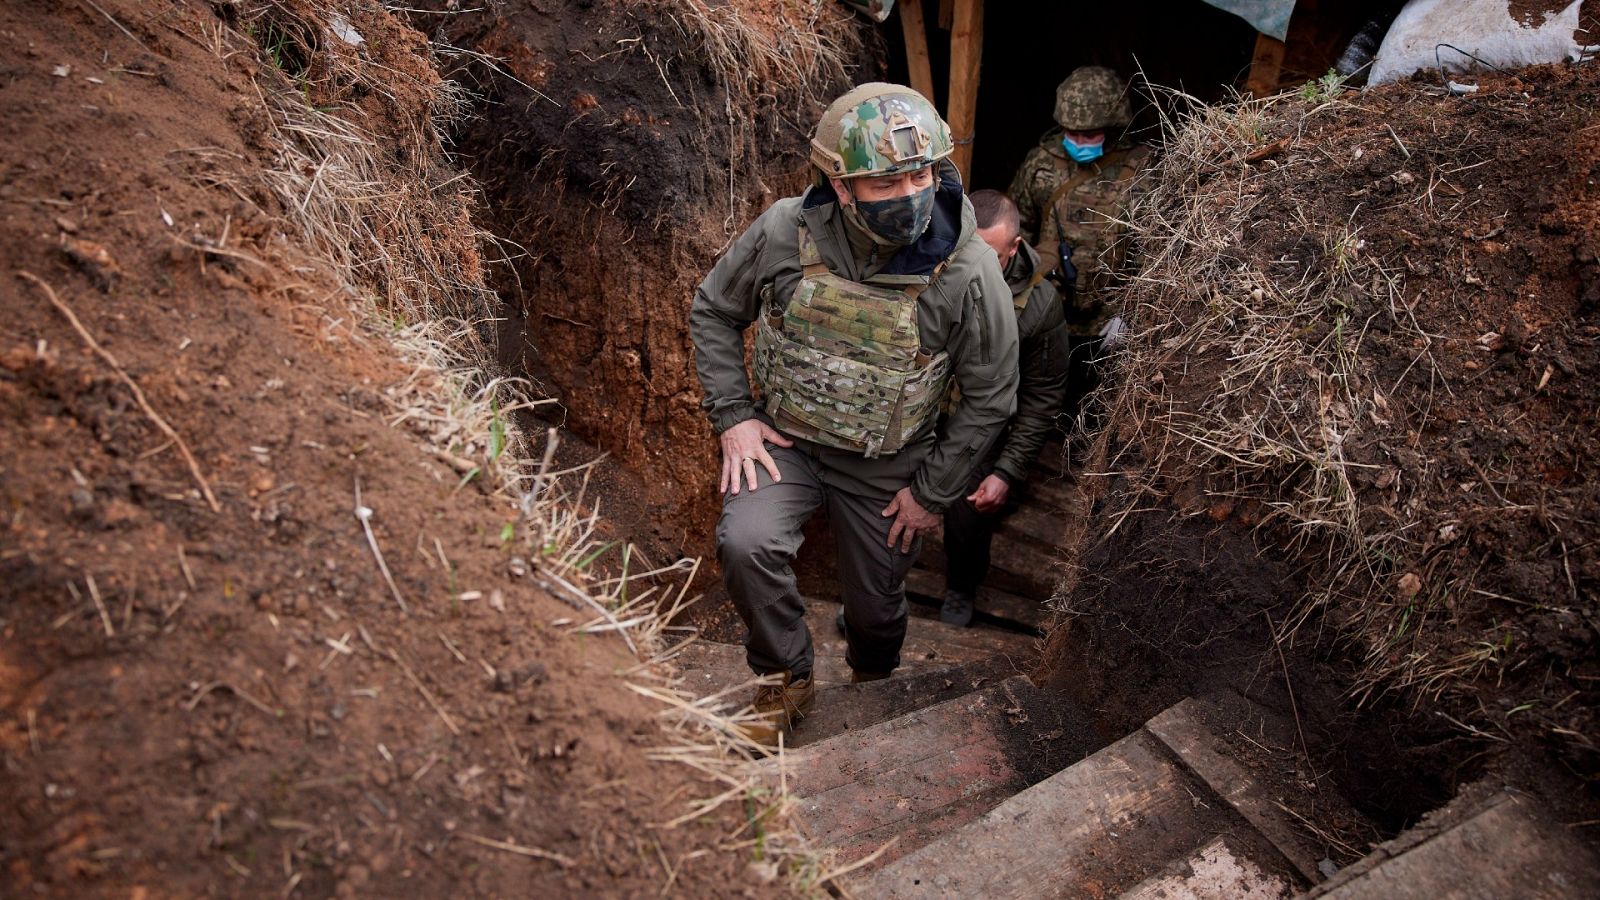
(757, 539)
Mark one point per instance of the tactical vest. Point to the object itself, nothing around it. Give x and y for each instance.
(843, 364)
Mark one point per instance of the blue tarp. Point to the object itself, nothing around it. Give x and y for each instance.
(1270, 17)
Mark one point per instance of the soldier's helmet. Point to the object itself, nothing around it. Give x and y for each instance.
(879, 129)
(1093, 98)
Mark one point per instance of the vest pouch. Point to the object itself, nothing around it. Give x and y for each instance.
(842, 365)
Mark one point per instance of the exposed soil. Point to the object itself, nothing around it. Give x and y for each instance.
(622, 151)
(230, 703)
(1469, 643)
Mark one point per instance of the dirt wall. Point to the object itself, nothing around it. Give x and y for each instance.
(208, 684)
(621, 147)
(1358, 402)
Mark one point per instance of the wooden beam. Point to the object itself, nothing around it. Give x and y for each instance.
(946, 8)
(966, 54)
(1265, 66)
(916, 33)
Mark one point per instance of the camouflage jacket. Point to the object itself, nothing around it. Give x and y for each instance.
(1042, 359)
(1087, 217)
(966, 312)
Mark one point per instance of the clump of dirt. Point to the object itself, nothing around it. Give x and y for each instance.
(1354, 427)
(200, 698)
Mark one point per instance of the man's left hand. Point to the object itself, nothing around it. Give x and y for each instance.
(910, 520)
(991, 494)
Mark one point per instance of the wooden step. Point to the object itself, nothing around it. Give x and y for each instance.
(849, 707)
(1181, 728)
(1497, 848)
(912, 778)
(930, 646)
(994, 607)
(1098, 828)
(1212, 872)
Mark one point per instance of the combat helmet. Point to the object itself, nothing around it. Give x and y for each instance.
(879, 129)
(1093, 98)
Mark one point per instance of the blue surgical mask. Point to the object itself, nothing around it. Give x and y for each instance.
(1082, 153)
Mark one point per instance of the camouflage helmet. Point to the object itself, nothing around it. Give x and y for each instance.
(1092, 98)
(879, 129)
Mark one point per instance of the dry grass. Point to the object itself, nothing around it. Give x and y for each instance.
(1278, 346)
(778, 67)
(398, 241)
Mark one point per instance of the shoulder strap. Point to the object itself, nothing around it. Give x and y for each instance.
(1084, 174)
(811, 264)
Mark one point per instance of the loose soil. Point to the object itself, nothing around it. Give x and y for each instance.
(230, 703)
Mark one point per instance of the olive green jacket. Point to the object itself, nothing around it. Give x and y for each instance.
(1042, 357)
(967, 311)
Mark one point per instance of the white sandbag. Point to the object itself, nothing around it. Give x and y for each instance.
(1484, 28)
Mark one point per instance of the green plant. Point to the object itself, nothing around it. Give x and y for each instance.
(1321, 90)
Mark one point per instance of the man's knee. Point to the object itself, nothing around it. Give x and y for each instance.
(753, 535)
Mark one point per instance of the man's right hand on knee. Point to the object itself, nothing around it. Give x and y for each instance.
(743, 446)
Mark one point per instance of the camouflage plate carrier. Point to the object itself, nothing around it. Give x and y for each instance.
(843, 365)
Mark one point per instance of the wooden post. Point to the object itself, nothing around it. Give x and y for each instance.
(1265, 66)
(945, 14)
(916, 32)
(966, 54)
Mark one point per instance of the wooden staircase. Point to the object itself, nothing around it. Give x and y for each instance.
(957, 777)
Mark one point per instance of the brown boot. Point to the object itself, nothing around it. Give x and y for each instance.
(778, 707)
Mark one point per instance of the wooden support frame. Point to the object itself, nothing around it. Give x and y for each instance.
(915, 28)
(1266, 66)
(966, 55)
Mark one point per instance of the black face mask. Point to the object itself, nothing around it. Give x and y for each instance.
(899, 221)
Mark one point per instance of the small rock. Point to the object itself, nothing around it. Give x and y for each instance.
(1327, 867)
(66, 224)
(765, 872)
(82, 503)
(61, 71)
(497, 600)
(517, 566)
(1408, 587)
(380, 777)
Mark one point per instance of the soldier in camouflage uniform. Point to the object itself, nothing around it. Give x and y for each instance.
(871, 296)
(1072, 193)
(997, 484)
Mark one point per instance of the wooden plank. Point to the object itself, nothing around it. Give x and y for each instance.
(915, 777)
(1184, 733)
(1503, 851)
(856, 706)
(1101, 826)
(966, 55)
(1212, 872)
(1017, 567)
(915, 29)
(946, 13)
(994, 606)
(930, 646)
(1265, 66)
